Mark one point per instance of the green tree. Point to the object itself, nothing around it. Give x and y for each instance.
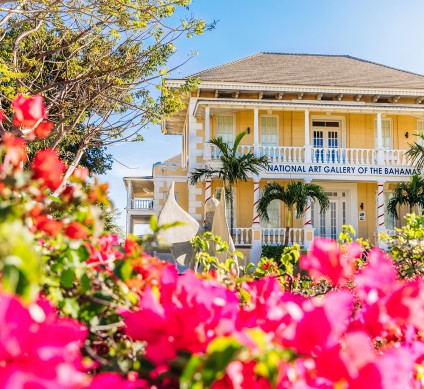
(234, 168)
(409, 193)
(295, 194)
(96, 64)
(416, 153)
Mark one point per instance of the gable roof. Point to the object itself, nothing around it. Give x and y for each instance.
(316, 70)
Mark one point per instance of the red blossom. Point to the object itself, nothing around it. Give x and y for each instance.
(48, 225)
(2, 116)
(28, 111)
(49, 168)
(16, 153)
(76, 230)
(43, 130)
(81, 173)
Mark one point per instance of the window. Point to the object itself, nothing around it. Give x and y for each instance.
(269, 130)
(386, 132)
(273, 215)
(389, 220)
(225, 127)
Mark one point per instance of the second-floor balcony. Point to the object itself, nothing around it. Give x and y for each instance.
(312, 161)
(142, 204)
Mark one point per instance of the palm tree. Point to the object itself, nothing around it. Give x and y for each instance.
(416, 153)
(235, 168)
(294, 194)
(407, 193)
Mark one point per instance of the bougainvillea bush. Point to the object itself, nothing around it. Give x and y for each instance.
(79, 310)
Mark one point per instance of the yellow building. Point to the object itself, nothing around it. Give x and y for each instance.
(337, 121)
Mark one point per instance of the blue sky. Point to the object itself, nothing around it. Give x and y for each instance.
(384, 31)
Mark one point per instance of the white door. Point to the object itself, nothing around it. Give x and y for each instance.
(329, 224)
(326, 138)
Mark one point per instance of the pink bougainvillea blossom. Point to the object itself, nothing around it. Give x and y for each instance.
(28, 111)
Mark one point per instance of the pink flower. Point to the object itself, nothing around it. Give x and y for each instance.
(116, 381)
(16, 153)
(38, 349)
(326, 259)
(49, 168)
(43, 130)
(28, 111)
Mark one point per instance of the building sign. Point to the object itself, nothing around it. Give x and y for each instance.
(342, 169)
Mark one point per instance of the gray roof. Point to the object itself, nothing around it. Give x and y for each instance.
(312, 70)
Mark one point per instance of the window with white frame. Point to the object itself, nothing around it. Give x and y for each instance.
(225, 127)
(269, 130)
(273, 211)
(389, 220)
(386, 133)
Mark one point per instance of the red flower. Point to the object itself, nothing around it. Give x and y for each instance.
(48, 167)
(2, 116)
(81, 173)
(48, 225)
(76, 230)
(15, 149)
(43, 130)
(28, 111)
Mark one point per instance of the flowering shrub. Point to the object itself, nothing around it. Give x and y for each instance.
(79, 310)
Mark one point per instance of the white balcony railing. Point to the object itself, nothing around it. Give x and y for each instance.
(145, 204)
(340, 156)
(242, 236)
(274, 236)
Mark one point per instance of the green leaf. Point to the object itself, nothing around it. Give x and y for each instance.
(153, 223)
(85, 282)
(123, 270)
(67, 279)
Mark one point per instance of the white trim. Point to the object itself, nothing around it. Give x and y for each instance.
(331, 118)
(419, 140)
(278, 128)
(241, 86)
(301, 105)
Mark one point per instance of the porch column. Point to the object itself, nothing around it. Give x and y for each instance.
(255, 251)
(379, 145)
(207, 148)
(381, 207)
(308, 147)
(208, 194)
(129, 207)
(256, 130)
(307, 223)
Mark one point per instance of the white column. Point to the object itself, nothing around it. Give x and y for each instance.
(379, 145)
(308, 147)
(129, 207)
(307, 223)
(208, 194)
(381, 207)
(256, 248)
(256, 129)
(207, 124)
(256, 220)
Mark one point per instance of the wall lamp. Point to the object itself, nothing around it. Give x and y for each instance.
(248, 130)
(361, 206)
(406, 134)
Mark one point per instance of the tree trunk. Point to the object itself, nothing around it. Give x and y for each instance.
(288, 225)
(231, 210)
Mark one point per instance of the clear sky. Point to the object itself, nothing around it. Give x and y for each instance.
(389, 32)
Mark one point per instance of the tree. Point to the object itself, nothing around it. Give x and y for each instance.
(95, 63)
(235, 168)
(407, 193)
(295, 194)
(416, 153)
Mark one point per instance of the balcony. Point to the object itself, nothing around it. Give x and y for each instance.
(242, 236)
(363, 163)
(142, 204)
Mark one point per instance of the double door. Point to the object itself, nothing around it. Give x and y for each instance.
(326, 138)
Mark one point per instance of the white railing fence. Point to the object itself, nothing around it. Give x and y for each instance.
(141, 204)
(274, 236)
(242, 236)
